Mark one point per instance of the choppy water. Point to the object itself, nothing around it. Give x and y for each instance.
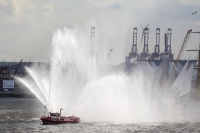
(18, 115)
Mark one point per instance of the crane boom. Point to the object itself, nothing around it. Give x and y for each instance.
(187, 36)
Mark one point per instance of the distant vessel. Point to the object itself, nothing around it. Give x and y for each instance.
(56, 118)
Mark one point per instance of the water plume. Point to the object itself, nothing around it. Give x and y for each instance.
(88, 89)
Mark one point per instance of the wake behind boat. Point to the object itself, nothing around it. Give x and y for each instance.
(56, 118)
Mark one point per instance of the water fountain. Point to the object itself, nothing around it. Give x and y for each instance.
(77, 85)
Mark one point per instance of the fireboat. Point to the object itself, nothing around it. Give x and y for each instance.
(56, 118)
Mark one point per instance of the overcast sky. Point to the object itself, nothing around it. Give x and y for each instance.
(27, 26)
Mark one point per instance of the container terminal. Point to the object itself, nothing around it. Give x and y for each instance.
(10, 69)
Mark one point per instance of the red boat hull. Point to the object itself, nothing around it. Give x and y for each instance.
(62, 120)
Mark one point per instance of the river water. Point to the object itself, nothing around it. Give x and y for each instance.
(21, 115)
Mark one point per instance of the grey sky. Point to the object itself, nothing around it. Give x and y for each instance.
(27, 26)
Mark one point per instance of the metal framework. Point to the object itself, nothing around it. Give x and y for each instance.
(187, 36)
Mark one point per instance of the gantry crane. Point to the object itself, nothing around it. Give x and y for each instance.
(134, 51)
(92, 53)
(92, 41)
(156, 53)
(145, 52)
(168, 50)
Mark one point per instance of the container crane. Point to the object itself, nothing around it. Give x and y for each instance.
(156, 53)
(134, 51)
(145, 52)
(168, 50)
(92, 41)
(92, 53)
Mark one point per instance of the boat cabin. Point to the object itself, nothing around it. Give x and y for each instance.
(54, 116)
